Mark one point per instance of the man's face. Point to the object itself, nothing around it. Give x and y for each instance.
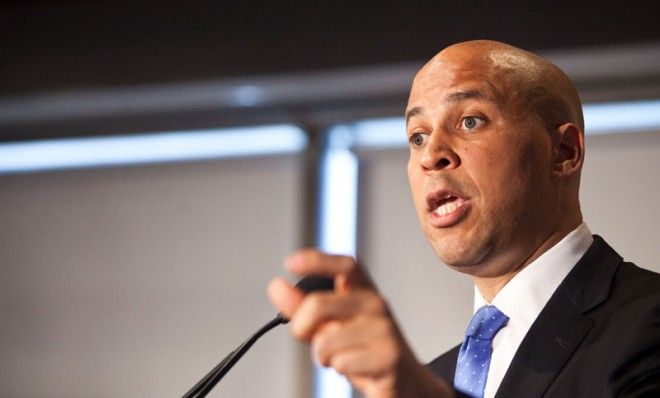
(480, 166)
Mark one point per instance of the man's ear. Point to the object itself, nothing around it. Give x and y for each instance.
(569, 154)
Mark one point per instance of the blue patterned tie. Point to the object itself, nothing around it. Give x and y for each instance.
(474, 356)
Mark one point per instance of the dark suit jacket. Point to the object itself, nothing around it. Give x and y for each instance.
(598, 335)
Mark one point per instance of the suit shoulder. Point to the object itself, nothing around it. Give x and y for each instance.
(641, 275)
(638, 284)
(633, 324)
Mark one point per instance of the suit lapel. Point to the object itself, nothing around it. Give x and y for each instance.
(550, 342)
(562, 324)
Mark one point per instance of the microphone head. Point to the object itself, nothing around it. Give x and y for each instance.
(310, 284)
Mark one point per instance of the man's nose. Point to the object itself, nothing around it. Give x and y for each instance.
(439, 154)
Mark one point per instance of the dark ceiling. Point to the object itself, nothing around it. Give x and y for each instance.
(55, 45)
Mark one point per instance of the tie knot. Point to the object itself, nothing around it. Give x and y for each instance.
(486, 322)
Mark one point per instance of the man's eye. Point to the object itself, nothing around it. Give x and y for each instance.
(471, 122)
(417, 139)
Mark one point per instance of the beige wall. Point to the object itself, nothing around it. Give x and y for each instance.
(135, 281)
(621, 192)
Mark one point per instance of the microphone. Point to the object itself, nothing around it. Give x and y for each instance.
(307, 285)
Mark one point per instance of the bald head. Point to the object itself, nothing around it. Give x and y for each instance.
(529, 82)
(496, 149)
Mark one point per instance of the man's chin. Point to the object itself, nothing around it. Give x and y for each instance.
(462, 259)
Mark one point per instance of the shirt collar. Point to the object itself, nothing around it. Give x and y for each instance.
(524, 296)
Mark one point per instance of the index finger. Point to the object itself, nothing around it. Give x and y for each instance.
(344, 269)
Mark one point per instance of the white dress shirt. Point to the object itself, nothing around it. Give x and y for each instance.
(524, 296)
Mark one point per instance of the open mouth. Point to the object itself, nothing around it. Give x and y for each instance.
(448, 204)
(446, 208)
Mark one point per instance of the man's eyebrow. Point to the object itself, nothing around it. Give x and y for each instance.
(470, 94)
(455, 97)
(412, 112)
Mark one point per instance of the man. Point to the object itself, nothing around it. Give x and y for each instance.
(496, 148)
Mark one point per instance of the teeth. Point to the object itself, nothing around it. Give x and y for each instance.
(449, 207)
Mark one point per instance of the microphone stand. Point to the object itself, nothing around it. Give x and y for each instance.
(206, 384)
(212, 378)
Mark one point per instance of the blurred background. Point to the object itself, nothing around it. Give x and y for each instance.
(158, 159)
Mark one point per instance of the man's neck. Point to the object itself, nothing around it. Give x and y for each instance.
(490, 286)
